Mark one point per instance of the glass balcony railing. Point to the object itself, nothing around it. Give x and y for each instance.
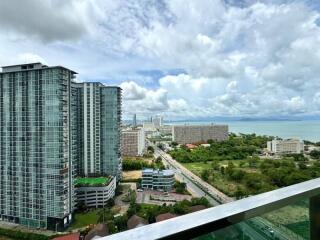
(285, 214)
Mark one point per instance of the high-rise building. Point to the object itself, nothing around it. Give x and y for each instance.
(184, 134)
(36, 146)
(133, 142)
(111, 102)
(98, 128)
(134, 121)
(51, 129)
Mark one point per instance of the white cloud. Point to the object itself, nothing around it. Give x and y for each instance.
(141, 100)
(132, 91)
(30, 58)
(258, 59)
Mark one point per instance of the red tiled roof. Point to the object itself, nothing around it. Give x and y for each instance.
(136, 221)
(165, 216)
(197, 208)
(190, 146)
(73, 236)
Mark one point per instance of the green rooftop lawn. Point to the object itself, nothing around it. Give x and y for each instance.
(92, 181)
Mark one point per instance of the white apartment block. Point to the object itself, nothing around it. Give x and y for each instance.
(133, 142)
(149, 129)
(285, 146)
(165, 129)
(184, 134)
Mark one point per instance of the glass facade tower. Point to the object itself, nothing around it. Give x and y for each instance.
(99, 117)
(36, 146)
(52, 129)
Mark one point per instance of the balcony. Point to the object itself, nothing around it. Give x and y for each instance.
(250, 218)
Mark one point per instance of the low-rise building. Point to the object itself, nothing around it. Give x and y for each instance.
(285, 146)
(95, 192)
(133, 142)
(157, 179)
(184, 134)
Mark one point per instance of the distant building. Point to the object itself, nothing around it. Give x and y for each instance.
(134, 120)
(133, 142)
(95, 192)
(157, 121)
(149, 128)
(285, 146)
(157, 179)
(184, 134)
(165, 129)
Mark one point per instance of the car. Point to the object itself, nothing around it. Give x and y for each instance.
(140, 190)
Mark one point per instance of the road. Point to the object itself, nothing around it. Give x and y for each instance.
(191, 187)
(258, 228)
(195, 183)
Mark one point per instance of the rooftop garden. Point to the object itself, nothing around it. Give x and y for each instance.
(92, 182)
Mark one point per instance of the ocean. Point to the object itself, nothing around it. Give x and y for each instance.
(304, 129)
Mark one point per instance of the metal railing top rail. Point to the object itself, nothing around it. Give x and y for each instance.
(215, 218)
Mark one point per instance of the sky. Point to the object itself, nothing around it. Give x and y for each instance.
(181, 59)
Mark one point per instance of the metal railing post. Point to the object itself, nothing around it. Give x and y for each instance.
(314, 215)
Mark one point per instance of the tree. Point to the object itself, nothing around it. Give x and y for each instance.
(315, 154)
(205, 174)
(174, 144)
(158, 160)
(237, 175)
(180, 187)
(302, 166)
(182, 207)
(215, 165)
(121, 222)
(150, 149)
(161, 146)
(240, 193)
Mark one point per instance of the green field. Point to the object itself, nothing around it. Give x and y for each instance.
(85, 219)
(92, 181)
(218, 180)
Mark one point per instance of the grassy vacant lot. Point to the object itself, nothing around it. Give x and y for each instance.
(131, 175)
(218, 180)
(84, 219)
(146, 159)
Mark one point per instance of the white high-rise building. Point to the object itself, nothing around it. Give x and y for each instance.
(285, 146)
(133, 142)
